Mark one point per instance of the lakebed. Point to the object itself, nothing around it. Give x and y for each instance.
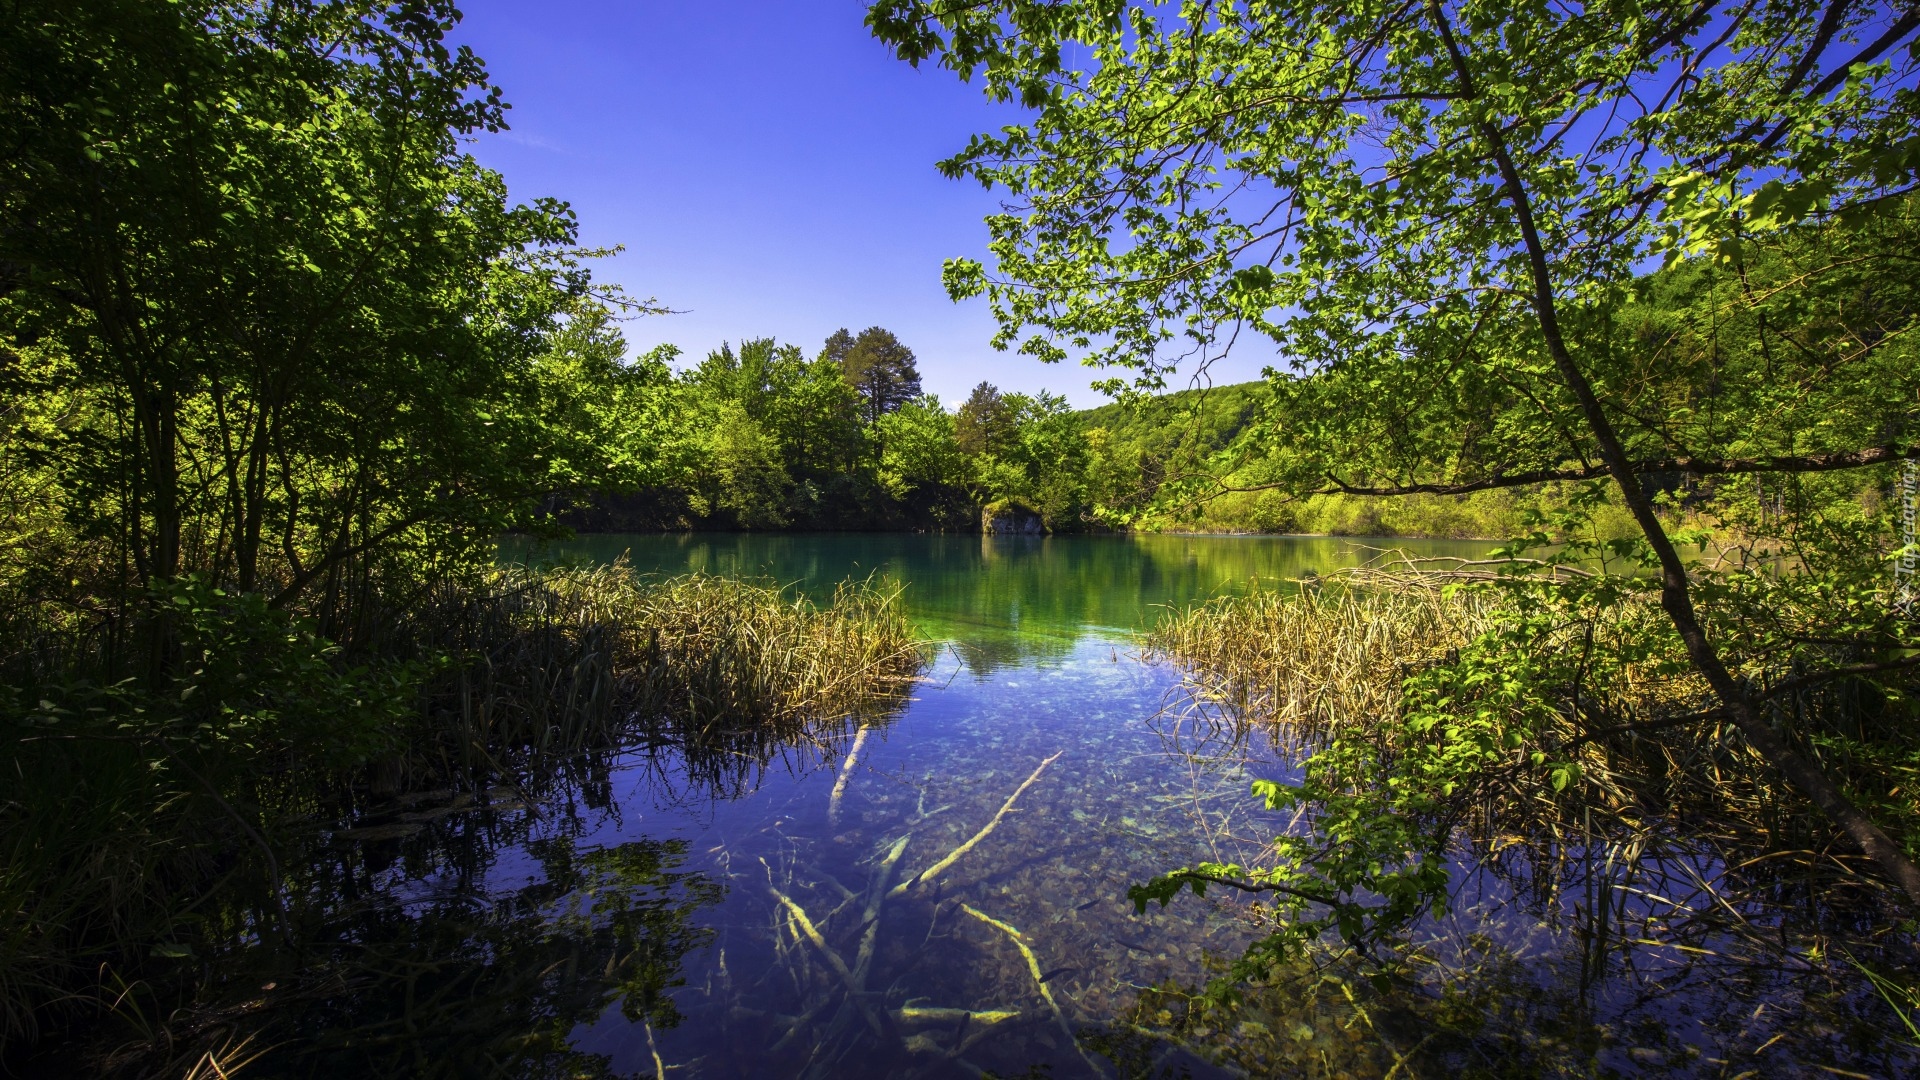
(942, 890)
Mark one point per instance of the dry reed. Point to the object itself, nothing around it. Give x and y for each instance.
(1676, 836)
(560, 659)
(1303, 661)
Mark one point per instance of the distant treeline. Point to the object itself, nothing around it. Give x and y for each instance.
(766, 437)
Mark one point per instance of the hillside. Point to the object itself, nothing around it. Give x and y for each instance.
(1204, 419)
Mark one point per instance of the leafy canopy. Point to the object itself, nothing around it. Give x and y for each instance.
(1439, 217)
(1203, 175)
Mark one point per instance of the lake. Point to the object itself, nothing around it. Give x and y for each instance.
(1037, 662)
(945, 894)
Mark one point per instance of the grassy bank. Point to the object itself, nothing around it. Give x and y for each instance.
(1347, 660)
(1482, 515)
(155, 833)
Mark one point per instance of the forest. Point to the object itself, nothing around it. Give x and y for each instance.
(762, 438)
(1628, 287)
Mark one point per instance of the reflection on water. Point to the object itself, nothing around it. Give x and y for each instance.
(1002, 600)
(839, 953)
(959, 909)
(455, 935)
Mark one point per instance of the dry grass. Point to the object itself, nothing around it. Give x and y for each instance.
(555, 660)
(1303, 661)
(1677, 841)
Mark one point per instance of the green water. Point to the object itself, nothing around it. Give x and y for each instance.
(1006, 599)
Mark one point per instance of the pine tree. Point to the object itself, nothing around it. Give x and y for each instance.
(878, 367)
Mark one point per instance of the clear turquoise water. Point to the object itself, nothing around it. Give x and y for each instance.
(1004, 600)
(1038, 662)
(937, 926)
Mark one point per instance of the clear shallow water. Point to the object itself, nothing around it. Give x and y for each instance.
(638, 917)
(1037, 665)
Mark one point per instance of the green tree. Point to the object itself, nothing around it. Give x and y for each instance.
(919, 448)
(1440, 214)
(746, 478)
(610, 418)
(306, 319)
(985, 423)
(816, 417)
(838, 345)
(1053, 456)
(879, 368)
(751, 376)
(1027, 450)
(807, 410)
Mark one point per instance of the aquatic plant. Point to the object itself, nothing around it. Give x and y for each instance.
(1532, 726)
(1302, 661)
(150, 828)
(553, 659)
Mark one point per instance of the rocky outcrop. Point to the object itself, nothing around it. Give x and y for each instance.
(1010, 519)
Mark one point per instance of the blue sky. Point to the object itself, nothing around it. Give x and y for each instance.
(769, 168)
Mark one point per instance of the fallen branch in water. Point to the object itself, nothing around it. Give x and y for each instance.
(846, 774)
(799, 1025)
(659, 1066)
(870, 918)
(954, 856)
(923, 1014)
(969, 1027)
(880, 1024)
(1033, 968)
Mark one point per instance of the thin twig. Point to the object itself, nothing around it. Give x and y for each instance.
(1033, 968)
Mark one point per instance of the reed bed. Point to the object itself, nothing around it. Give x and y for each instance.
(1674, 841)
(1303, 661)
(558, 659)
(126, 847)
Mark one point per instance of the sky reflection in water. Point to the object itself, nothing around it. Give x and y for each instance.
(1037, 659)
(822, 963)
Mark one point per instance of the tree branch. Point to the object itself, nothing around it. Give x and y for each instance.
(1693, 466)
(1675, 596)
(1247, 886)
(1801, 682)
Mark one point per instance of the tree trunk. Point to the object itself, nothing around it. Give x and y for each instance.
(1675, 596)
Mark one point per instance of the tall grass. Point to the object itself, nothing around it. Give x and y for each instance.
(1671, 833)
(142, 832)
(554, 660)
(1304, 661)
(1331, 659)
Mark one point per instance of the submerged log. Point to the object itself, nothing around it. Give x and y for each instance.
(1039, 979)
(954, 856)
(846, 774)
